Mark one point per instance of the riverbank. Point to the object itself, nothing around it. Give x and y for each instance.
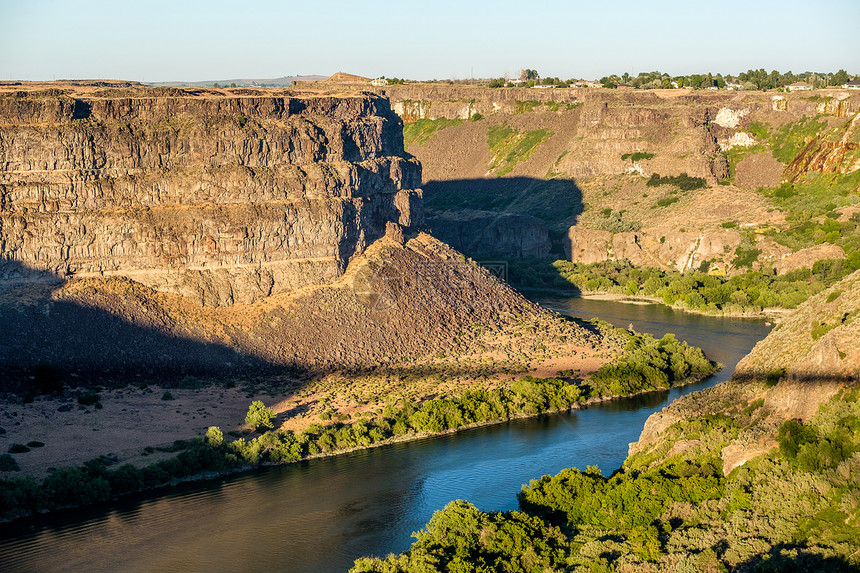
(646, 364)
(104, 464)
(775, 314)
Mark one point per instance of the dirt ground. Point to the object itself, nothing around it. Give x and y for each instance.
(134, 418)
(130, 419)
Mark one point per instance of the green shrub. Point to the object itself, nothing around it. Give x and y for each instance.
(89, 399)
(167, 395)
(834, 295)
(36, 444)
(214, 436)
(18, 449)
(259, 417)
(637, 156)
(682, 181)
(8, 464)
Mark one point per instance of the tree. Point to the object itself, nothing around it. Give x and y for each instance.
(259, 417)
(214, 436)
(840, 77)
(529, 74)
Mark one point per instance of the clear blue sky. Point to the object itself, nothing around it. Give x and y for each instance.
(163, 40)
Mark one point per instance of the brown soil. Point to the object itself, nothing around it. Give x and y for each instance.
(758, 170)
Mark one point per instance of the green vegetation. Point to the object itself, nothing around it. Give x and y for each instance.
(259, 417)
(695, 290)
(461, 538)
(793, 509)
(810, 215)
(750, 80)
(89, 399)
(665, 202)
(664, 361)
(510, 147)
(422, 130)
(8, 463)
(526, 106)
(791, 138)
(682, 181)
(650, 364)
(638, 156)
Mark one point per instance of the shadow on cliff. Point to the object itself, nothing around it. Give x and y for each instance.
(512, 216)
(46, 341)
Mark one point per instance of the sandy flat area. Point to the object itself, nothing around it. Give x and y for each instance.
(130, 419)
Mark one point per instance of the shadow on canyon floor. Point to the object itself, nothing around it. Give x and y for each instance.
(46, 341)
(515, 216)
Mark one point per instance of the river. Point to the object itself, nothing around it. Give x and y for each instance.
(320, 515)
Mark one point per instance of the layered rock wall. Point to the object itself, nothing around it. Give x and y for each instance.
(224, 199)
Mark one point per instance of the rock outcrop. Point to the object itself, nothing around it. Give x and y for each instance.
(807, 359)
(222, 199)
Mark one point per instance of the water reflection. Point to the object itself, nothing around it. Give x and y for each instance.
(321, 515)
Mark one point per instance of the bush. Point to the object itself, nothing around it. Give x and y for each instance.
(18, 449)
(89, 399)
(8, 464)
(214, 436)
(167, 395)
(259, 417)
(682, 181)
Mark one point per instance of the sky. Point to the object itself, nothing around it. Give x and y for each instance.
(191, 40)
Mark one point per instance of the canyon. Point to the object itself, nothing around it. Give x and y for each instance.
(574, 165)
(160, 233)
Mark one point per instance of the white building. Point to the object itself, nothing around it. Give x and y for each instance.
(379, 82)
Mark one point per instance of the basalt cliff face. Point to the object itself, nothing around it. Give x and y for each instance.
(224, 198)
(151, 233)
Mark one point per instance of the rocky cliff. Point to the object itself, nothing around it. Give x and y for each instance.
(160, 233)
(222, 198)
(805, 361)
(607, 143)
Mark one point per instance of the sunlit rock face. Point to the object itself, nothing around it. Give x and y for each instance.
(221, 198)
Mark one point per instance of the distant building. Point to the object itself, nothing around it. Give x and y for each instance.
(623, 87)
(734, 86)
(587, 84)
(543, 86)
(379, 82)
(799, 87)
(675, 85)
(852, 85)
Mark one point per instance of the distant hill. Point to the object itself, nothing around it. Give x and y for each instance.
(282, 82)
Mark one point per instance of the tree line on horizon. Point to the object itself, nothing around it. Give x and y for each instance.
(758, 79)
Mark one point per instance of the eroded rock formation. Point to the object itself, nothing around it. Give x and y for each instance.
(221, 199)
